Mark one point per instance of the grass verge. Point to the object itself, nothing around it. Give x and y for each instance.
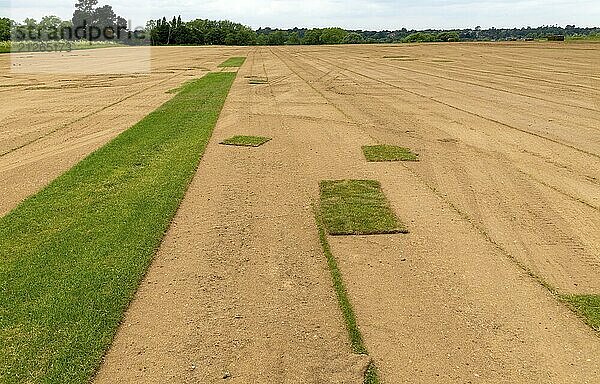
(246, 141)
(356, 340)
(72, 256)
(233, 62)
(388, 153)
(586, 306)
(357, 207)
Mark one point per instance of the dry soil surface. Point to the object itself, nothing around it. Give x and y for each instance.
(507, 186)
(51, 120)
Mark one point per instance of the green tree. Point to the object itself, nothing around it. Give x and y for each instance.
(84, 13)
(353, 38)
(333, 35)
(277, 38)
(293, 39)
(419, 37)
(262, 40)
(312, 37)
(448, 36)
(5, 28)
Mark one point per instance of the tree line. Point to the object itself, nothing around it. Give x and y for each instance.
(199, 32)
(224, 32)
(268, 36)
(89, 22)
(209, 32)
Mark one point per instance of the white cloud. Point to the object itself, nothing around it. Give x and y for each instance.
(356, 14)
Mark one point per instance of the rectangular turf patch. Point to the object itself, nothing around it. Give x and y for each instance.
(587, 306)
(357, 207)
(246, 141)
(73, 254)
(388, 153)
(233, 62)
(257, 80)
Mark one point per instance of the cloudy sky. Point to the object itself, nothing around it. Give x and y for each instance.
(351, 14)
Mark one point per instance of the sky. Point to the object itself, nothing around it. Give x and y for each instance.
(349, 14)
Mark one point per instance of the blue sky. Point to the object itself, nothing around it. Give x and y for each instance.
(352, 14)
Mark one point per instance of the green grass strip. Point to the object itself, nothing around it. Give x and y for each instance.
(388, 153)
(357, 207)
(371, 375)
(233, 62)
(586, 306)
(246, 141)
(356, 340)
(72, 256)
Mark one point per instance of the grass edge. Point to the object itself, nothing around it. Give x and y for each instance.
(186, 187)
(355, 337)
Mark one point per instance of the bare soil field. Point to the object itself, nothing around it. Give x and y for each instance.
(504, 200)
(52, 120)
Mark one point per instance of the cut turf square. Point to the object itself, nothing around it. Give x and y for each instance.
(357, 207)
(388, 153)
(587, 306)
(233, 62)
(246, 141)
(257, 80)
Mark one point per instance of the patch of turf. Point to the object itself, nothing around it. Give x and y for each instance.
(258, 80)
(72, 255)
(233, 62)
(388, 153)
(587, 306)
(357, 207)
(246, 141)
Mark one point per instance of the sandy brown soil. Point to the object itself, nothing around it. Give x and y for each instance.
(514, 147)
(240, 286)
(509, 143)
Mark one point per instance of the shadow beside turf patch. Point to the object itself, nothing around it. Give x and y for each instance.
(357, 207)
(246, 141)
(388, 153)
(233, 62)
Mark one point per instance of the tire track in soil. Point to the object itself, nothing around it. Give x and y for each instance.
(534, 359)
(566, 244)
(77, 120)
(492, 120)
(387, 101)
(541, 157)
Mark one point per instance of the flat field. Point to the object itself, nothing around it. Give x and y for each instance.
(502, 209)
